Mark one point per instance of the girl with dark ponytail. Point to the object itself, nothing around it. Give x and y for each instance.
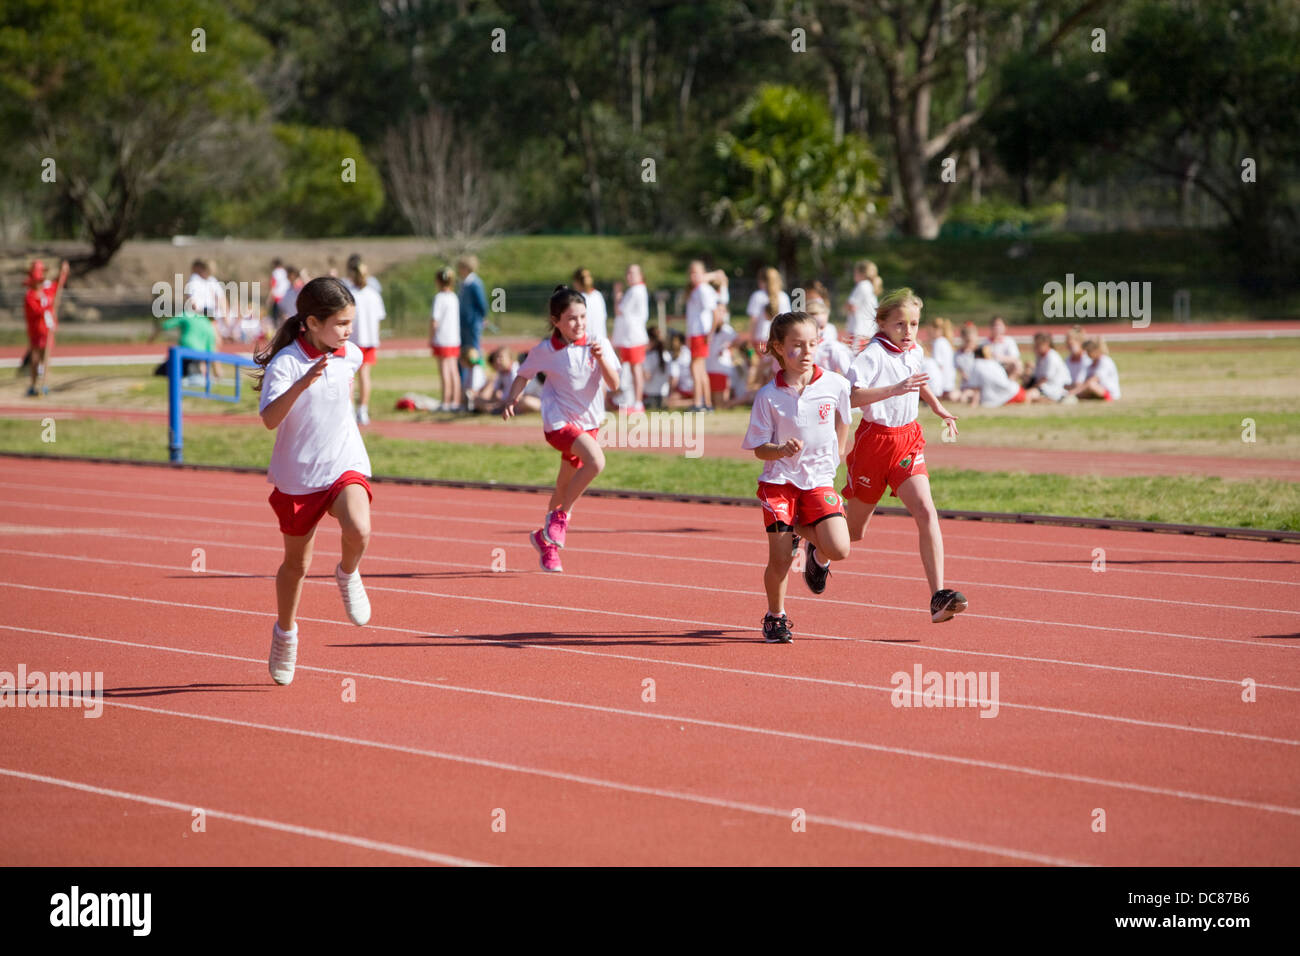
(319, 464)
(576, 363)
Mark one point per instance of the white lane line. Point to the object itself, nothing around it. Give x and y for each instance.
(1084, 563)
(261, 822)
(745, 729)
(678, 558)
(714, 624)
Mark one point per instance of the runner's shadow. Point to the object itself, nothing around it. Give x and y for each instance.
(1224, 561)
(162, 690)
(1276, 637)
(697, 638)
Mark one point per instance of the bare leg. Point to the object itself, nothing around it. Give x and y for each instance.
(830, 538)
(778, 570)
(592, 457)
(915, 496)
(365, 386)
(638, 383)
(288, 580)
(857, 513)
(562, 480)
(352, 509)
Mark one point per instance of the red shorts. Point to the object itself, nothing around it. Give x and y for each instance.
(369, 355)
(1106, 395)
(699, 346)
(883, 456)
(785, 505)
(633, 354)
(1018, 397)
(718, 382)
(38, 334)
(445, 351)
(563, 439)
(299, 514)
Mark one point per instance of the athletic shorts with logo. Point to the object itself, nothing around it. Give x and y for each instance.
(883, 456)
(785, 505)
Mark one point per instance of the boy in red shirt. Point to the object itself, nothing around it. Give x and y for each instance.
(40, 307)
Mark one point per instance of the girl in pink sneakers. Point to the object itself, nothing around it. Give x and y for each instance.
(573, 407)
(319, 464)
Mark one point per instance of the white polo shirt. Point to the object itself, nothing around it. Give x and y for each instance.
(1078, 368)
(760, 325)
(446, 317)
(1107, 374)
(572, 393)
(861, 320)
(1051, 375)
(996, 387)
(1004, 350)
(318, 440)
(834, 356)
(720, 361)
(633, 314)
(597, 314)
(780, 413)
(370, 312)
(199, 295)
(699, 309)
(879, 365)
(941, 351)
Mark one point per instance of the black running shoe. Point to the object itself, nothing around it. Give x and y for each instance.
(794, 545)
(814, 575)
(946, 604)
(776, 630)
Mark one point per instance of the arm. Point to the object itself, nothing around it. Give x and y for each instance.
(936, 406)
(770, 451)
(866, 396)
(842, 433)
(608, 370)
(278, 408)
(480, 298)
(516, 389)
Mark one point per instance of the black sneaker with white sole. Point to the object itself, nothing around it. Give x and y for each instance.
(945, 605)
(814, 575)
(776, 630)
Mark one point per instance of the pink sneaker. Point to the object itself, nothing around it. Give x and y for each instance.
(557, 523)
(549, 553)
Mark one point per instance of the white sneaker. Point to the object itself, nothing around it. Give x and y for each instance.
(284, 655)
(363, 416)
(355, 601)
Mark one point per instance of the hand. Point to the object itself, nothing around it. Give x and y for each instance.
(791, 448)
(618, 290)
(507, 410)
(313, 373)
(912, 384)
(597, 348)
(63, 271)
(950, 423)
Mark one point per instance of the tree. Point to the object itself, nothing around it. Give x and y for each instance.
(126, 98)
(785, 177)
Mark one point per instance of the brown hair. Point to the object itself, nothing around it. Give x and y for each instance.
(357, 271)
(781, 326)
(772, 286)
(322, 298)
(562, 298)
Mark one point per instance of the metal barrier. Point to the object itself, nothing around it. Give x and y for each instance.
(176, 390)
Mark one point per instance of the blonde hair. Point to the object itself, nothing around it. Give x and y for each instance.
(446, 278)
(1074, 336)
(772, 286)
(942, 326)
(468, 262)
(1097, 345)
(898, 299)
(357, 270)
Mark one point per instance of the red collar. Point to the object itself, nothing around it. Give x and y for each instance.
(780, 377)
(884, 340)
(557, 341)
(314, 353)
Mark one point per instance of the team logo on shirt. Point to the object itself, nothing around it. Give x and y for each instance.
(824, 410)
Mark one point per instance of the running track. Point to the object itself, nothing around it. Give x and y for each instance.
(522, 692)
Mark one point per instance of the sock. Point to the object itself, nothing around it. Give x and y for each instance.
(343, 575)
(820, 563)
(292, 633)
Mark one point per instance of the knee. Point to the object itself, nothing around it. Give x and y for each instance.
(835, 550)
(294, 566)
(357, 530)
(926, 515)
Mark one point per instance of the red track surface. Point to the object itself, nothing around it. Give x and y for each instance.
(519, 691)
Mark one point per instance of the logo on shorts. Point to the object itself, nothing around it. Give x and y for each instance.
(865, 481)
(831, 499)
(905, 462)
(824, 410)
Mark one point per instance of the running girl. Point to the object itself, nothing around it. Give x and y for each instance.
(572, 410)
(798, 426)
(319, 464)
(369, 313)
(444, 339)
(888, 447)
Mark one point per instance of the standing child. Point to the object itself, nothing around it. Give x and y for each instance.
(798, 426)
(889, 448)
(41, 310)
(597, 314)
(444, 338)
(860, 310)
(319, 464)
(572, 410)
(631, 315)
(701, 309)
(720, 363)
(369, 313)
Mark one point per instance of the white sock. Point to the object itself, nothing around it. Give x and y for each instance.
(343, 575)
(284, 633)
(820, 564)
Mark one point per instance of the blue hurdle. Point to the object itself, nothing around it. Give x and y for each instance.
(176, 389)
